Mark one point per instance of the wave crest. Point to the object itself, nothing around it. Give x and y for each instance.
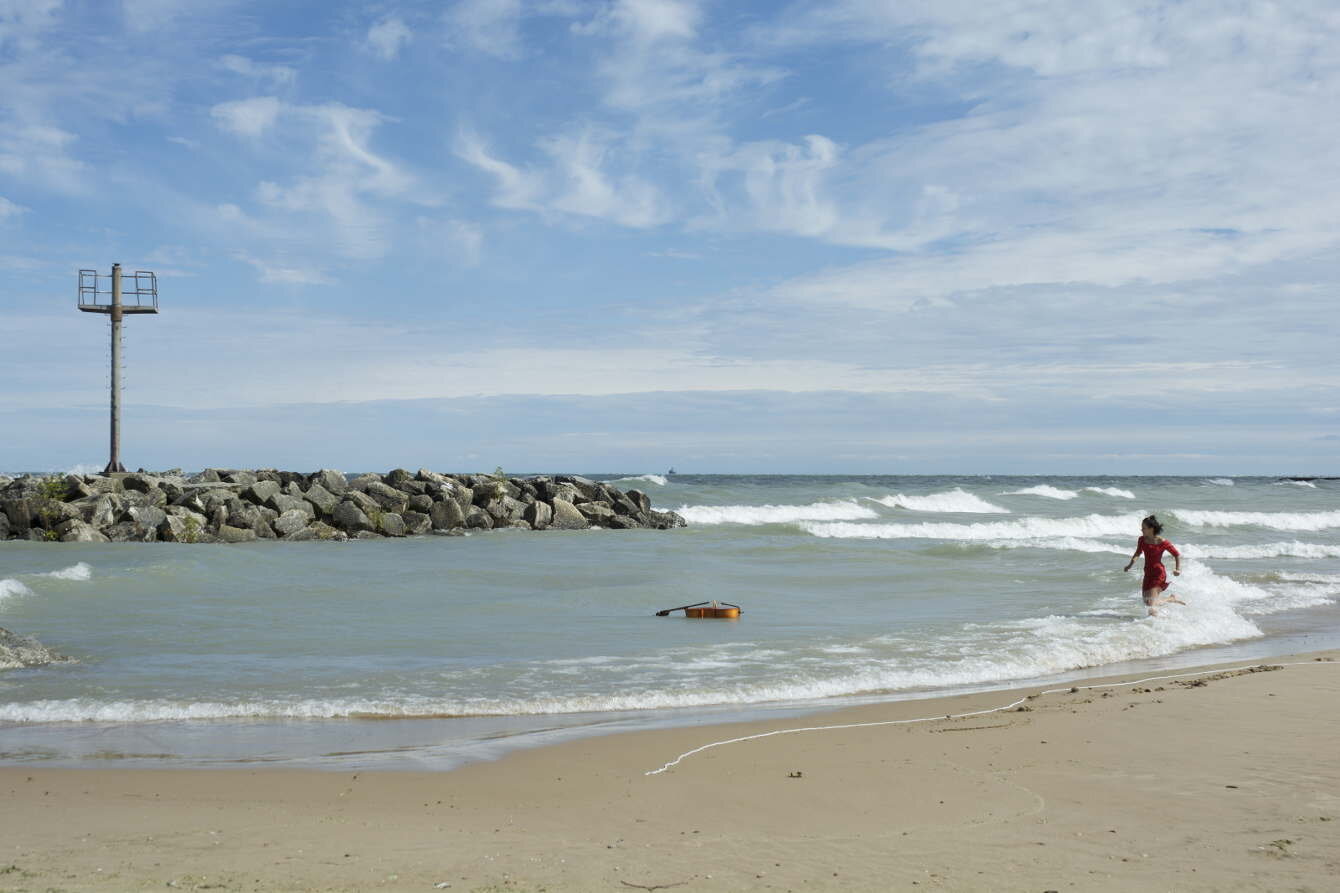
(956, 500)
(837, 510)
(1273, 520)
(1044, 490)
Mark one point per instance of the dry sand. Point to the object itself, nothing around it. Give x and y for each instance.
(1222, 782)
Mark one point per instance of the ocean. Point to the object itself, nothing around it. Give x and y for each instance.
(425, 653)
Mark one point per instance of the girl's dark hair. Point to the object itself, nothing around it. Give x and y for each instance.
(1154, 524)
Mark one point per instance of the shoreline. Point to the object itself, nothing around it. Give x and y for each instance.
(1227, 779)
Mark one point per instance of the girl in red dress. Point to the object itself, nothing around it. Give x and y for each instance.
(1152, 546)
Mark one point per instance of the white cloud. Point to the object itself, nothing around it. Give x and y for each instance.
(9, 209)
(37, 153)
(517, 189)
(387, 37)
(277, 75)
(489, 26)
(247, 117)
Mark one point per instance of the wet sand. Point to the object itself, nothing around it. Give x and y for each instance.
(1225, 781)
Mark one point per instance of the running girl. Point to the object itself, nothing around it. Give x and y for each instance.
(1152, 546)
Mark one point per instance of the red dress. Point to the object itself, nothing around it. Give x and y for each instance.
(1156, 575)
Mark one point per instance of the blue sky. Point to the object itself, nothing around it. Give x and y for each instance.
(845, 236)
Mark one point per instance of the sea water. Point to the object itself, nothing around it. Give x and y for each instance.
(427, 652)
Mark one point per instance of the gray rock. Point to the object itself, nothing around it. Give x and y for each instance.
(506, 510)
(664, 520)
(208, 476)
(301, 535)
(350, 518)
(478, 519)
(130, 532)
(391, 524)
(79, 531)
(322, 499)
(144, 515)
(140, 483)
(597, 513)
(20, 513)
(245, 478)
(260, 492)
(367, 535)
(282, 503)
(566, 517)
(361, 482)
(446, 515)
(417, 523)
(331, 481)
(293, 488)
(75, 488)
(182, 526)
(363, 501)
(389, 498)
(396, 476)
(421, 503)
(50, 513)
(4, 526)
(324, 531)
(291, 521)
(538, 515)
(229, 534)
(623, 522)
(241, 514)
(18, 651)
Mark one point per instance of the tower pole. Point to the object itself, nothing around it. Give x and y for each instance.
(115, 462)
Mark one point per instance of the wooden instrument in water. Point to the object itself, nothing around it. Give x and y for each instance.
(712, 609)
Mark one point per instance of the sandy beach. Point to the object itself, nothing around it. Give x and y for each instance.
(1228, 780)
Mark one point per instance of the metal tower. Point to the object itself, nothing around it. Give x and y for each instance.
(144, 291)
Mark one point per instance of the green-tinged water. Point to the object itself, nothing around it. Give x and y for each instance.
(852, 588)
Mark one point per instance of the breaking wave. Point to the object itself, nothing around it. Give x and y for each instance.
(11, 587)
(838, 510)
(956, 500)
(1273, 520)
(1111, 491)
(81, 571)
(1024, 528)
(1044, 490)
(659, 480)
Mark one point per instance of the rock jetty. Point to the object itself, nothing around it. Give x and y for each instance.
(218, 506)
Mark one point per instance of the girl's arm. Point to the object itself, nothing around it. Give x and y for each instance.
(1177, 560)
(1134, 555)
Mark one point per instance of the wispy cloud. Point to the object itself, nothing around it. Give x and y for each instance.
(387, 37)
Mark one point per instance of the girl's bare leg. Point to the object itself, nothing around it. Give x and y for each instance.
(1152, 600)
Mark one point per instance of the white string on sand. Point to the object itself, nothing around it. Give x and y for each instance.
(1051, 691)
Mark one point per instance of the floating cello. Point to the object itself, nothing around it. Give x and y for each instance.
(712, 609)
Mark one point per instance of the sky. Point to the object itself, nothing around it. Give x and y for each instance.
(850, 236)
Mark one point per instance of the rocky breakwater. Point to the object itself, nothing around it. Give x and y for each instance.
(240, 506)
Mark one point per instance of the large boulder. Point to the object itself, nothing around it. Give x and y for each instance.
(79, 531)
(389, 498)
(18, 651)
(417, 523)
(20, 514)
(538, 515)
(261, 492)
(391, 524)
(131, 532)
(290, 522)
(140, 483)
(446, 515)
(566, 517)
(144, 515)
(332, 481)
(324, 531)
(283, 503)
(478, 519)
(182, 526)
(350, 518)
(597, 513)
(229, 534)
(321, 498)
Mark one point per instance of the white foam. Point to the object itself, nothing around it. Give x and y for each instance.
(11, 587)
(839, 510)
(1297, 484)
(80, 571)
(1111, 491)
(1024, 528)
(659, 480)
(1265, 550)
(1062, 543)
(1220, 482)
(956, 500)
(1044, 490)
(1273, 520)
